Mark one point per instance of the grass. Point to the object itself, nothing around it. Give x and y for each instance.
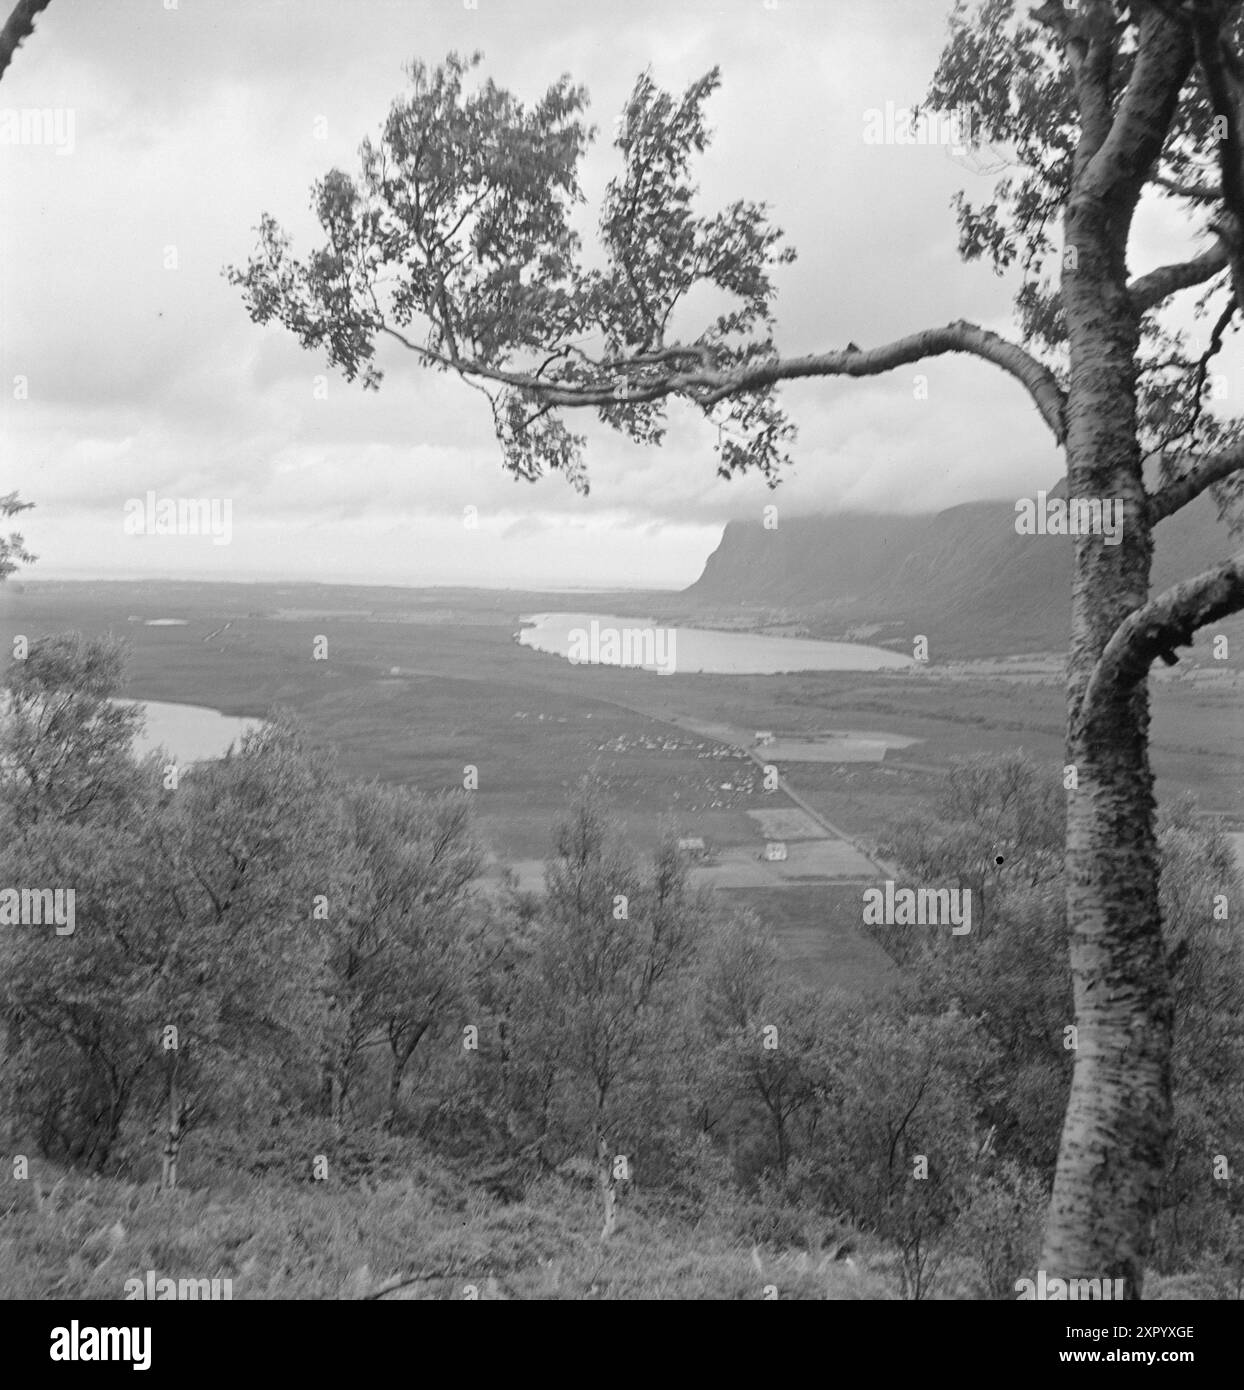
(428, 1235)
(85, 1237)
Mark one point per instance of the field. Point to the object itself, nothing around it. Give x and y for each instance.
(418, 685)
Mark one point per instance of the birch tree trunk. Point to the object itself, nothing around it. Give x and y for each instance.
(1120, 1111)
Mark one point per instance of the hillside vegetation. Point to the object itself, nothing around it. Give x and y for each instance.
(284, 1033)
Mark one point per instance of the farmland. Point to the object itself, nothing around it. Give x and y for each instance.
(417, 685)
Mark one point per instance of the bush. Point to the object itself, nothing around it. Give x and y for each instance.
(1000, 1230)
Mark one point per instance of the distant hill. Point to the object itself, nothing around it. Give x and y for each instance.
(964, 576)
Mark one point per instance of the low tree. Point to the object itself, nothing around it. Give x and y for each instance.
(1016, 984)
(191, 979)
(424, 856)
(65, 758)
(605, 1008)
(87, 1003)
(407, 937)
(248, 837)
(66, 743)
(499, 1102)
(765, 1036)
(1201, 1216)
(996, 819)
(1000, 1226)
(901, 1136)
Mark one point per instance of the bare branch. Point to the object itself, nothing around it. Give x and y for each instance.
(1211, 469)
(1124, 162)
(20, 25)
(1196, 192)
(1202, 366)
(707, 386)
(1149, 290)
(1088, 38)
(1159, 626)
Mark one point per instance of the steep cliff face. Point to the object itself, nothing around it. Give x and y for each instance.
(964, 573)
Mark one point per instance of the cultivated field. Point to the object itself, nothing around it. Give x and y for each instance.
(419, 684)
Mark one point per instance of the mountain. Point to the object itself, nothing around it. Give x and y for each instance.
(963, 576)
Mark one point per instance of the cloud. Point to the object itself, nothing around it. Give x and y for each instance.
(525, 527)
(144, 372)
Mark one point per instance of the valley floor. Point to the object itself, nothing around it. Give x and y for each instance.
(419, 685)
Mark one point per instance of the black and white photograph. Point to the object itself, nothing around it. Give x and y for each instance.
(621, 653)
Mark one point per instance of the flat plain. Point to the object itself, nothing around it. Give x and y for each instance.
(419, 684)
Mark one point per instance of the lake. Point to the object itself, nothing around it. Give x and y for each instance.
(601, 639)
(191, 733)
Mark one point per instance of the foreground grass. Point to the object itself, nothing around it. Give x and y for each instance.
(83, 1238)
(427, 1235)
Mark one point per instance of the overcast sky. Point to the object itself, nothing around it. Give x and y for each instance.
(190, 120)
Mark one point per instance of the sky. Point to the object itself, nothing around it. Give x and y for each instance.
(129, 366)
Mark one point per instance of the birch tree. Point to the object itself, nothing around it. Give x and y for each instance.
(455, 243)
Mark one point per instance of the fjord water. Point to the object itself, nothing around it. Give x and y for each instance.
(708, 651)
(191, 733)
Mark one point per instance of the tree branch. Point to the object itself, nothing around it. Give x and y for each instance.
(707, 386)
(20, 25)
(1088, 38)
(1211, 469)
(1195, 192)
(1222, 80)
(1124, 161)
(1149, 290)
(1157, 627)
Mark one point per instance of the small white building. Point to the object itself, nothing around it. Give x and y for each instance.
(764, 736)
(775, 851)
(693, 845)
